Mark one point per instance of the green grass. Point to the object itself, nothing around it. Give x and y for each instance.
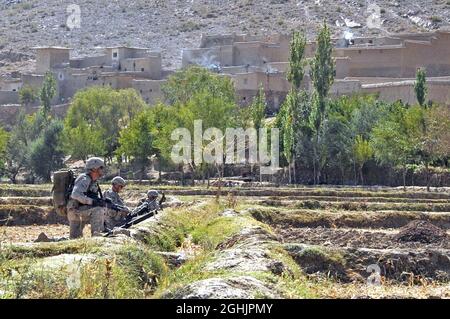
(131, 271)
(41, 250)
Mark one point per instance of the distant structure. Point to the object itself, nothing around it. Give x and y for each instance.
(382, 65)
(118, 67)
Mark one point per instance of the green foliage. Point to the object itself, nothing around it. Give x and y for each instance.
(322, 74)
(420, 86)
(363, 150)
(27, 95)
(47, 92)
(95, 118)
(296, 63)
(396, 138)
(136, 141)
(258, 109)
(4, 137)
(45, 152)
(34, 145)
(182, 85)
(436, 140)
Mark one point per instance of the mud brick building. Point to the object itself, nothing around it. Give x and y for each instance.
(382, 65)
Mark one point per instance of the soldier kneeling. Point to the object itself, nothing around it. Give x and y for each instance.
(116, 218)
(82, 207)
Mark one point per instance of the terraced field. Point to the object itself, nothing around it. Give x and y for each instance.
(347, 242)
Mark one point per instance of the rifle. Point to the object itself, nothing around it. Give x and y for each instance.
(104, 202)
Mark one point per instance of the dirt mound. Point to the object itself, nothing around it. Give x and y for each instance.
(421, 231)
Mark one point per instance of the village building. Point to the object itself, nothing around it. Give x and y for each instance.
(378, 65)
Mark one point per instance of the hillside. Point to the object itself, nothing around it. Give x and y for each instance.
(171, 25)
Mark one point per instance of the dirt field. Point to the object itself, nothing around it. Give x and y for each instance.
(404, 237)
(340, 236)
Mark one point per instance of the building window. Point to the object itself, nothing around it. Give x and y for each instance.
(142, 69)
(140, 91)
(125, 70)
(151, 90)
(114, 55)
(244, 98)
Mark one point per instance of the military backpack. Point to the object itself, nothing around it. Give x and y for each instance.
(63, 182)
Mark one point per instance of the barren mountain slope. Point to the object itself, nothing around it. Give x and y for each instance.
(171, 25)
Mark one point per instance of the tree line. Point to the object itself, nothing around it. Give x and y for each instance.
(323, 139)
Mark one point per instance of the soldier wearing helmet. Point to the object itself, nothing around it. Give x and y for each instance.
(82, 209)
(115, 218)
(151, 200)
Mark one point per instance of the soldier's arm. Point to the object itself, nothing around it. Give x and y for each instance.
(79, 189)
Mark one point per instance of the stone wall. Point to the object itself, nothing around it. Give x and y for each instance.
(150, 90)
(9, 97)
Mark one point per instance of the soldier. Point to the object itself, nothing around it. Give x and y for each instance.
(152, 196)
(115, 218)
(83, 207)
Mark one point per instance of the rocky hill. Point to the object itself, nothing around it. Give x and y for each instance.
(171, 25)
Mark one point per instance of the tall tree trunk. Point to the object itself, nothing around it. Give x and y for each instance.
(289, 173)
(159, 170)
(314, 165)
(361, 174)
(182, 175)
(404, 178)
(295, 174)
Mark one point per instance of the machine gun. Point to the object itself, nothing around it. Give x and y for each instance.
(139, 214)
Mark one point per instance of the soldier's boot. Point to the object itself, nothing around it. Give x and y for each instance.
(97, 221)
(76, 229)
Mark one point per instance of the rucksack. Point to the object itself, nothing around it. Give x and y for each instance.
(63, 182)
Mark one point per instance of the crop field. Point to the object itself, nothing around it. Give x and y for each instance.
(333, 242)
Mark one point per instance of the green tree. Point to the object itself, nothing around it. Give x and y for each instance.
(396, 139)
(17, 147)
(322, 74)
(436, 141)
(95, 118)
(289, 117)
(296, 62)
(258, 109)
(165, 121)
(136, 141)
(27, 95)
(4, 137)
(183, 84)
(420, 86)
(363, 152)
(45, 152)
(338, 143)
(47, 92)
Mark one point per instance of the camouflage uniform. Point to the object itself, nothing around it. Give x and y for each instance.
(80, 210)
(114, 218)
(153, 205)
